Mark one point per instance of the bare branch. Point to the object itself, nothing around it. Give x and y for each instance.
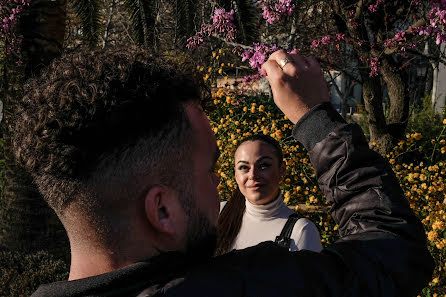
(234, 44)
(107, 25)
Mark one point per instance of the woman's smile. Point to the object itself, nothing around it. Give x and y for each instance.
(258, 171)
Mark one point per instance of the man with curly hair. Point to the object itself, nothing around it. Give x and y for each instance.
(122, 151)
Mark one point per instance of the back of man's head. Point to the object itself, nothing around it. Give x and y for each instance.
(97, 128)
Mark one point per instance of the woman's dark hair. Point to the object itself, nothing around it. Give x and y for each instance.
(230, 219)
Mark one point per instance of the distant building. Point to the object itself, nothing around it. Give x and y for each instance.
(439, 88)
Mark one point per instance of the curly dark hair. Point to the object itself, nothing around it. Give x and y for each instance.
(97, 126)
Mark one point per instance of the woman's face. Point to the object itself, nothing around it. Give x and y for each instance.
(258, 172)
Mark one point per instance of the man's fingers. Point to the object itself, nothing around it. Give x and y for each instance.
(271, 69)
(290, 68)
(297, 64)
(278, 56)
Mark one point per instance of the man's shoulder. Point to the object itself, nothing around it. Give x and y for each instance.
(260, 270)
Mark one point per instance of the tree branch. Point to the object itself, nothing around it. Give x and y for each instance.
(358, 11)
(107, 26)
(234, 44)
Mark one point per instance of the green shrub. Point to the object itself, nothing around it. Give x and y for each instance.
(21, 274)
(425, 120)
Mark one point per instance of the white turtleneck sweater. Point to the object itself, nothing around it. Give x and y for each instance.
(265, 222)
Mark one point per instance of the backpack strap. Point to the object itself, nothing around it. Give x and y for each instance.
(284, 238)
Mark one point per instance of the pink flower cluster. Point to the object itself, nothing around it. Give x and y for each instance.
(222, 26)
(400, 40)
(9, 16)
(273, 10)
(374, 66)
(251, 78)
(374, 7)
(258, 55)
(327, 40)
(351, 13)
(437, 23)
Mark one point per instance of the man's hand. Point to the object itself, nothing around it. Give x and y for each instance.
(297, 87)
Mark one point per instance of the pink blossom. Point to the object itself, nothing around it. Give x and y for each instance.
(374, 7)
(400, 35)
(437, 22)
(412, 45)
(246, 55)
(340, 36)
(274, 10)
(221, 26)
(388, 42)
(251, 78)
(257, 59)
(374, 66)
(258, 55)
(399, 39)
(325, 40)
(9, 12)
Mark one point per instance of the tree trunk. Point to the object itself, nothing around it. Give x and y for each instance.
(111, 12)
(293, 32)
(434, 82)
(429, 80)
(372, 93)
(429, 73)
(399, 98)
(28, 223)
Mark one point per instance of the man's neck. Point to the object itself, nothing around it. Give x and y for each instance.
(92, 262)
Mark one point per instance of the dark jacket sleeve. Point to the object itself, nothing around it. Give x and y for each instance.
(383, 244)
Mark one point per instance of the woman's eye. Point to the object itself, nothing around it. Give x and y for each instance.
(243, 167)
(264, 166)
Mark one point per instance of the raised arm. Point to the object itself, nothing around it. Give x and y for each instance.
(383, 246)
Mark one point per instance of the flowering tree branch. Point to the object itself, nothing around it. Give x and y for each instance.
(9, 16)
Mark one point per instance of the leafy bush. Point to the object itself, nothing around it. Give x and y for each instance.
(21, 274)
(423, 119)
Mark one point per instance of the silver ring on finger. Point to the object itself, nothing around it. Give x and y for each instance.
(283, 62)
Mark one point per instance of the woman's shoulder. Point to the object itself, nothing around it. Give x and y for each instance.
(304, 223)
(304, 226)
(306, 236)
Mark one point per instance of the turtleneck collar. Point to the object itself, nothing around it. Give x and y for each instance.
(265, 212)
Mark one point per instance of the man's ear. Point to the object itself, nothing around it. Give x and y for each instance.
(161, 209)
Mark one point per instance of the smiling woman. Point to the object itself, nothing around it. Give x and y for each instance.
(256, 212)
